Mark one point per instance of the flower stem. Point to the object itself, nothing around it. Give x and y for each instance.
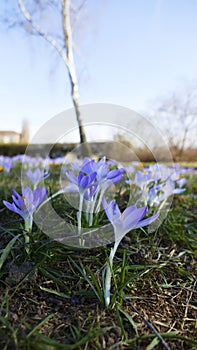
(79, 215)
(109, 274)
(92, 206)
(100, 200)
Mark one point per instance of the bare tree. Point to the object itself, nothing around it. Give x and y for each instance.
(123, 139)
(36, 19)
(176, 115)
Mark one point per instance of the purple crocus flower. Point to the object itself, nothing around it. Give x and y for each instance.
(105, 178)
(26, 204)
(81, 182)
(7, 164)
(142, 179)
(154, 196)
(91, 183)
(93, 173)
(181, 182)
(89, 166)
(36, 176)
(103, 172)
(115, 175)
(131, 218)
(176, 190)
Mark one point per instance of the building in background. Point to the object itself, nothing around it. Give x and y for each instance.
(10, 136)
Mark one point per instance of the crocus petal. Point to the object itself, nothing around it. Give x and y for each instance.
(16, 194)
(44, 193)
(89, 167)
(12, 207)
(80, 177)
(130, 221)
(19, 202)
(29, 174)
(9, 205)
(112, 210)
(178, 190)
(92, 191)
(102, 169)
(114, 173)
(129, 210)
(147, 221)
(117, 179)
(38, 196)
(181, 182)
(93, 176)
(84, 182)
(71, 177)
(37, 175)
(71, 188)
(28, 198)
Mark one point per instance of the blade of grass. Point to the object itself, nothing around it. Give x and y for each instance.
(154, 343)
(7, 250)
(121, 325)
(129, 318)
(83, 273)
(56, 345)
(167, 335)
(6, 323)
(40, 325)
(97, 286)
(52, 291)
(52, 277)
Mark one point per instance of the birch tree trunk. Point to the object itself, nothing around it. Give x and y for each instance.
(73, 76)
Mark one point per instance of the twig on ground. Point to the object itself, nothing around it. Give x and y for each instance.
(148, 323)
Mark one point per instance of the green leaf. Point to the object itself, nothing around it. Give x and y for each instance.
(52, 291)
(129, 318)
(52, 277)
(7, 250)
(49, 344)
(6, 323)
(83, 273)
(97, 286)
(154, 342)
(40, 325)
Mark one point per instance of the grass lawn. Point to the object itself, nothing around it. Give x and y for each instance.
(53, 298)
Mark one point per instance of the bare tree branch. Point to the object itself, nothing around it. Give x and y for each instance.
(41, 32)
(65, 51)
(177, 115)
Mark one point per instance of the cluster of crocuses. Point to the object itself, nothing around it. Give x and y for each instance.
(156, 183)
(7, 163)
(28, 202)
(91, 179)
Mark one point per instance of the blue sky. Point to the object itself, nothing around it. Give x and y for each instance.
(133, 51)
